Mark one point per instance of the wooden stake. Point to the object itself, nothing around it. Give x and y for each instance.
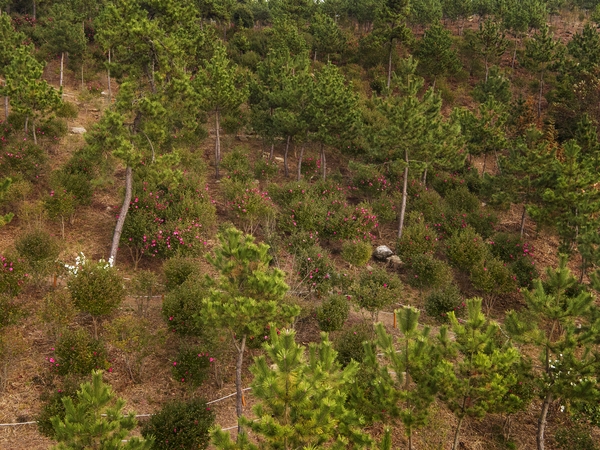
(394, 319)
(243, 400)
(162, 297)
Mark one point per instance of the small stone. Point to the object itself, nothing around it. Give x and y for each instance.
(279, 159)
(382, 253)
(394, 262)
(78, 130)
(242, 138)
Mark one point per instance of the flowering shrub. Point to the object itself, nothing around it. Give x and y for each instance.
(12, 275)
(368, 180)
(52, 405)
(429, 203)
(384, 207)
(301, 240)
(417, 239)
(316, 269)
(376, 289)
(513, 251)
(333, 312)
(182, 303)
(77, 353)
(440, 302)
(181, 425)
(39, 250)
(237, 164)
(461, 200)
(191, 366)
(23, 160)
(493, 278)
(250, 207)
(163, 222)
(444, 182)
(311, 166)
(94, 87)
(349, 343)
(265, 169)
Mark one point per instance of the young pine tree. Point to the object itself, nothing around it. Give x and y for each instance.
(302, 398)
(557, 322)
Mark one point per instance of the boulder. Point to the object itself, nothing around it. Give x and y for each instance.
(382, 253)
(78, 130)
(394, 262)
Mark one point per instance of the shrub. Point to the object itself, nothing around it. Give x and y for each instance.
(575, 437)
(367, 179)
(316, 269)
(12, 275)
(237, 164)
(461, 200)
(525, 271)
(9, 311)
(429, 272)
(191, 366)
(77, 185)
(444, 182)
(78, 353)
(60, 205)
(177, 270)
(332, 314)
(356, 253)
(265, 169)
(493, 278)
(512, 250)
(302, 240)
(25, 160)
(465, 248)
(429, 203)
(483, 221)
(441, 301)
(375, 289)
(39, 250)
(53, 128)
(57, 311)
(384, 208)
(250, 206)
(145, 285)
(52, 405)
(180, 425)
(417, 239)
(96, 288)
(67, 110)
(349, 343)
(182, 303)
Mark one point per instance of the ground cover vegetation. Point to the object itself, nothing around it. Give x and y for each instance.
(211, 232)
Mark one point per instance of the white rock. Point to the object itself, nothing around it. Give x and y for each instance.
(382, 252)
(78, 130)
(394, 261)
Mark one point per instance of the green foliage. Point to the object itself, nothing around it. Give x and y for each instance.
(265, 170)
(512, 250)
(574, 437)
(78, 353)
(493, 278)
(180, 425)
(96, 288)
(145, 284)
(237, 164)
(333, 312)
(461, 200)
(302, 240)
(418, 239)
(12, 275)
(349, 343)
(136, 339)
(427, 271)
(96, 420)
(440, 302)
(356, 253)
(52, 406)
(288, 411)
(57, 311)
(9, 311)
(435, 53)
(316, 269)
(465, 249)
(496, 86)
(23, 160)
(182, 303)
(376, 289)
(250, 206)
(39, 250)
(368, 179)
(191, 366)
(177, 270)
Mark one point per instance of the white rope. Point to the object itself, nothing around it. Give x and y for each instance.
(15, 424)
(227, 396)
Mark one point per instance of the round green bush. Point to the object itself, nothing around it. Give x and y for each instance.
(181, 425)
(441, 301)
(349, 343)
(177, 270)
(417, 239)
(376, 289)
(461, 200)
(191, 366)
(96, 288)
(316, 269)
(301, 240)
(493, 277)
(429, 203)
(428, 272)
(465, 248)
(77, 352)
(356, 253)
(332, 314)
(182, 304)
(39, 250)
(237, 164)
(525, 271)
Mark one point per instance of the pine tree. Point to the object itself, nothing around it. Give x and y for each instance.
(390, 25)
(222, 89)
(478, 380)
(302, 398)
(328, 37)
(10, 40)
(557, 322)
(435, 53)
(490, 43)
(96, 421)
(246, 296)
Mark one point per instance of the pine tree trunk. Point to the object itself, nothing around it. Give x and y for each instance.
(404, 194)
(5, 107)
(238, 381)
(285, 157)
(122, 214)
(523, 217)
(542, 422)
(62, 65)
(62, 227)
(34, 133)
(95, 322)
(82, 82)
(300, 162)
(108, 77)
(457, 432)
(323, 162)
(271, 153)
(425, 176)
(389, 75)
(514, 58)
(217, 144)
(484, 163)
(34, 9)
(540, 96)
(26, 124)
